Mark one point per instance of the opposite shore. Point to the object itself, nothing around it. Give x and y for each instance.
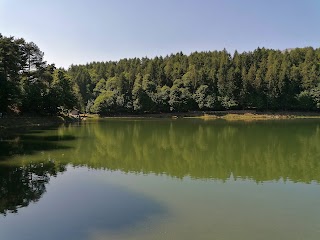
(14, 122)
(231, 115)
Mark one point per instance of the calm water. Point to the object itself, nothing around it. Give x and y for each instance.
(162, 179)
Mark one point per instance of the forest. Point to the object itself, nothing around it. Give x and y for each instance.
(262, 80)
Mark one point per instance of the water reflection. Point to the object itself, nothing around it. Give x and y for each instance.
(19, 186)
(83, 203)
(28, 163)
(77, 206)
(207, 150)
(30, 142)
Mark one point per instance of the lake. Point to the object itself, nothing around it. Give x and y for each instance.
(162, 179)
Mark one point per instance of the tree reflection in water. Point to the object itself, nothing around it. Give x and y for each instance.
(268, 151)
(19, 186)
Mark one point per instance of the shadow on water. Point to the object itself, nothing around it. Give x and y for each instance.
(92, 209)
(25, 184)
(76, 211)
(54, 138)
(84, 206)
(21, 184)
(30, 142)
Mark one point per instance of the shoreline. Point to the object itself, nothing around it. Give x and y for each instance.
(239, 115)
(16, 122)
(21, 122)
(259, 116)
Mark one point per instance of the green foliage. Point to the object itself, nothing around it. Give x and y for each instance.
(181, 99)
(105, 102)
(28, 84)
(83, 85)
(143, 94)
(315, 94)
(309, 99)
(204, 98)
(62, 90)
(263, 79)
(305, 100)
(163, 97)
(13, 61)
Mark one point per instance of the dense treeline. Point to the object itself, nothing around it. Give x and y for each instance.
(264, 79)
(29, 84)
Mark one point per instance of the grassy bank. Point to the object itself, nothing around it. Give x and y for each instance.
(256, 116)
(240, 115)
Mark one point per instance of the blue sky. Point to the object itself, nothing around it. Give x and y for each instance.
(81, 31)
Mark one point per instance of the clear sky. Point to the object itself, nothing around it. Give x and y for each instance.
(81, 31)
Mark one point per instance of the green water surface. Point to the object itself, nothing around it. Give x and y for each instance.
(162, 179)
